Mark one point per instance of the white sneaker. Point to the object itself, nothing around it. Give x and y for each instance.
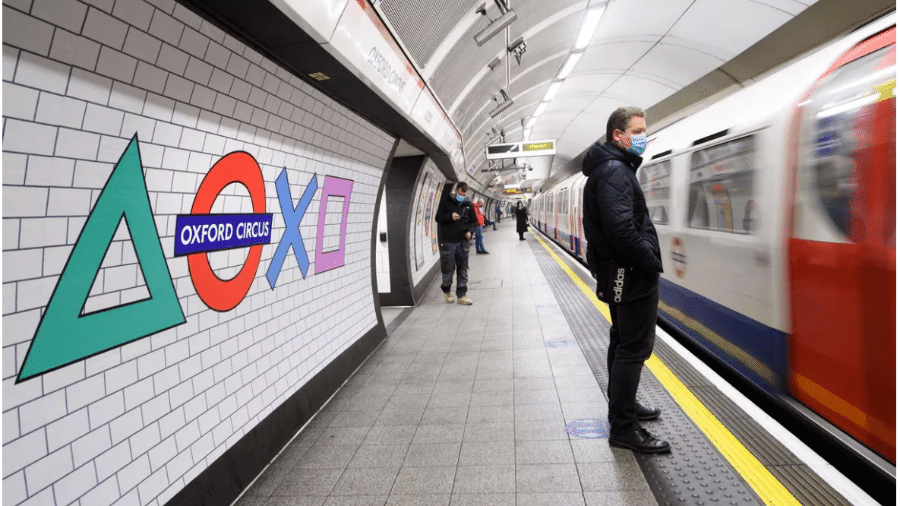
(464, 301)
(449, 298)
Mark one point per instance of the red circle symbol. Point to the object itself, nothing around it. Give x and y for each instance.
(218, 294)
(679, 258)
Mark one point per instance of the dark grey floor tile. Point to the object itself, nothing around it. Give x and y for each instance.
(487, 453)
(379, 456)
(615, 475)
(493, 385)
(399, 417)
(547, 478)
(416, 388)
(419, 500)
(589, 395)
(483, 500)
(551, 499)
(442, 416)
(623, 498)
(368, 401)
(352, 436)
(304, 482)
(595, 450)
(355, 419)
(544, 452)
(266, 484)
(407, 401)
(432, 454)
(580, 410)
(450, 387)
(492, 399)
(356, 500)
(532, 412)
(390, 435)
(534, 384)
(491, 431)
(310, 500)
(536, 397)
(450, 399)
(457, 375)
(424, 480)
(490, 414)
(541, 430)
(327, 457)
(485, 480)
(366, 481)
(439, 434)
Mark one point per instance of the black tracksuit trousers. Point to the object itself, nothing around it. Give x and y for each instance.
(631, 339)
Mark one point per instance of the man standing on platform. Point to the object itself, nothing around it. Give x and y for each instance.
(623, 254)
(479, 229)
(457, 224)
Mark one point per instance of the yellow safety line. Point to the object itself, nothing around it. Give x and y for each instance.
(766, 486)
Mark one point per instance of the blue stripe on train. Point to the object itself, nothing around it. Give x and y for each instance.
(757, 351)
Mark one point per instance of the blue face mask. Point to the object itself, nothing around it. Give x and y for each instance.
(638, 144)
(460, 198)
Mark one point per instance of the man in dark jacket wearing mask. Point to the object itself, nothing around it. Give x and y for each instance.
(457, 224)
(623, 254)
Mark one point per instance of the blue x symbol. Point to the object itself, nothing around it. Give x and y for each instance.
(292, 216)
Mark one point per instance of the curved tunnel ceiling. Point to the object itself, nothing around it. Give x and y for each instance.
(647, 53)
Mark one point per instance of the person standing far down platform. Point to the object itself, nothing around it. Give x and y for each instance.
(521, 220)
(457, 224)
(623, 255)
(479, 228)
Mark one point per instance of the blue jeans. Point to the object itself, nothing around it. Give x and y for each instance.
(455, 255)
(479, 239)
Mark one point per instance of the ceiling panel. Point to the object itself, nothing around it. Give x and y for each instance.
(423, 26)
(559, 36)
(651, 17)
(677, 63)
(733, 25)
(612, 56)
(591, 83)
(639, 91)
(533, 12)
(463, 62)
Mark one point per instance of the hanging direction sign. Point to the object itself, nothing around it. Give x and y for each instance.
(520, 149)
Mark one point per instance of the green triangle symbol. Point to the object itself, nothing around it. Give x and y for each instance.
(64, 337)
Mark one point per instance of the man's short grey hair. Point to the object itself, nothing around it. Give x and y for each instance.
(480, 202)
(620, 118)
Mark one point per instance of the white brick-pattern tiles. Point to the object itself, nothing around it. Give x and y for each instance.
(133, 425)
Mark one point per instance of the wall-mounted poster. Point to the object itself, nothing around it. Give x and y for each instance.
(434, 205)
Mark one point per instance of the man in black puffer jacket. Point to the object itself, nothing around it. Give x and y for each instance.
(623, 254)
(457, 224)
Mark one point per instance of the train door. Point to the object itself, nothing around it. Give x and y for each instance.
(556, 215)
(842, 249)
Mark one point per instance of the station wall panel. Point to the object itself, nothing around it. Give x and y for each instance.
(134, 384)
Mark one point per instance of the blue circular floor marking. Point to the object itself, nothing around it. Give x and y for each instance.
(559, 344)
(588, 428)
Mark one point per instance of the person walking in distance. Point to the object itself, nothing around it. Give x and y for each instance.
(456, 221)
(623, 254)
(479, 228)
(521, 220)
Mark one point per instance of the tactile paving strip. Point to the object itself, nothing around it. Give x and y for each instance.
(695, 472)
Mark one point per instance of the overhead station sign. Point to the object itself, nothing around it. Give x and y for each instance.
(517, 191)
(520, 149)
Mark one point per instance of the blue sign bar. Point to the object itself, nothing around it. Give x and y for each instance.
(201, 233)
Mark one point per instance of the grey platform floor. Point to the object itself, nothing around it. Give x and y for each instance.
(463, 405)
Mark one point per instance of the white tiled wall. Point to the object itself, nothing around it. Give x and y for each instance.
(134, 424)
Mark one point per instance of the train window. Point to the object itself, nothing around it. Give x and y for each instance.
(721, 188)
(655, 183)
(840, 147)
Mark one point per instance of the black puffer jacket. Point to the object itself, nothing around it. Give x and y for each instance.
(451, 230)
(616, 222)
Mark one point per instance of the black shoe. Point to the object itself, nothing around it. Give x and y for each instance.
(645, 413)
(486, 252)
(639, 440)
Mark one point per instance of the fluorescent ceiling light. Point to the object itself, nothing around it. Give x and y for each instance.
(495, 27)
(551, 91)
(588, 25)
(531, 122)
(569, 65)
(540, 110)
